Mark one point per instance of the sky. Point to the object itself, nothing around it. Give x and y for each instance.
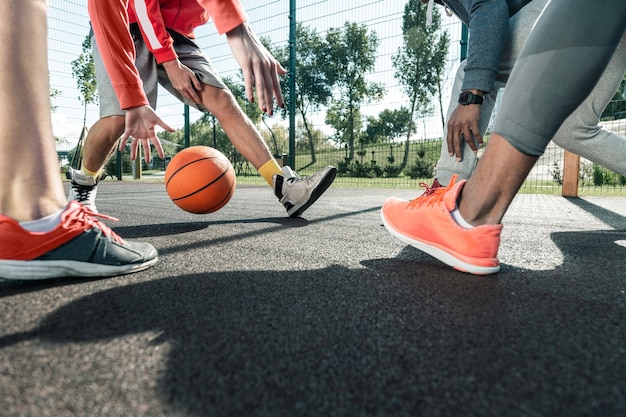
(68, 25)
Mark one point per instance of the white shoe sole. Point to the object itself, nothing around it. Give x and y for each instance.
(39, 270)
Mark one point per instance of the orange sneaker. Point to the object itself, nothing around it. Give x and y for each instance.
(80, 246)
(427, 224)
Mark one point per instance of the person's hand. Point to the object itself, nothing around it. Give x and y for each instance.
(140, 122)
(183, 79)
(463, 126)
(260, 69)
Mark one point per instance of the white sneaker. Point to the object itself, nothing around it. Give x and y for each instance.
(298, 194)
(83, 189)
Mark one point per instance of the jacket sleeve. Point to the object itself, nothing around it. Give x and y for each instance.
(226, 14)
(488, 32)
(152, 26)
(109, 20)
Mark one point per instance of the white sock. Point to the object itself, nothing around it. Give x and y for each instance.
(456, 215)
(45, 224)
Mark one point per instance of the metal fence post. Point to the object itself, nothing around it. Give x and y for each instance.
(292, 85)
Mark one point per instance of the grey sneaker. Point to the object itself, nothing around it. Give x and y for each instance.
(80, 246)
(298, 194)
(83, 188)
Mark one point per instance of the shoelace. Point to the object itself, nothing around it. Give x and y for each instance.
(295, 178)
(85, 217)
(82, 191)
(432, 195)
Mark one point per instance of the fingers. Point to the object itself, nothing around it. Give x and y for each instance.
(264, 92)
(193, 85)
(455, 144)
(267, 85)
(261, 74)
(145, 145)
(159, 148)
(133, 149)
(192, 95)
(279, 68)
(123, 141)
(276, 82)
(248, 77)
(458, 147)
(463, 128)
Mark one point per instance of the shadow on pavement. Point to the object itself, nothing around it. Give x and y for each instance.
(396, 338)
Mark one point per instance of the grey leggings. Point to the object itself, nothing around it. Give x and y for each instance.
(580, 133)
(563, 59)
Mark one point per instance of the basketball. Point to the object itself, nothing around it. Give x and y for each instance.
(200, 179)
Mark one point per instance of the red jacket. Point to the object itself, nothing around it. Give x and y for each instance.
(110, 20)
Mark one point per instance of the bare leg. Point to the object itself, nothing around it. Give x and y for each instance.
(29, 172)
(497, 178)
(237, 126)
(101, 141)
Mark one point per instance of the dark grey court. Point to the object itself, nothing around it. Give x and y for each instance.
(250, 313)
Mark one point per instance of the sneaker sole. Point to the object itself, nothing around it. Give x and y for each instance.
(440, 254)
(314, 194)
(39, 270)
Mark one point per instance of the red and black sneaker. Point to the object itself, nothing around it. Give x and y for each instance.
(80, 246)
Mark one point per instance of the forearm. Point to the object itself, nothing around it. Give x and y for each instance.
(109, 20)
(488, 31)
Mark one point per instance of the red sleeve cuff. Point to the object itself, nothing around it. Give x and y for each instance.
(226, 14)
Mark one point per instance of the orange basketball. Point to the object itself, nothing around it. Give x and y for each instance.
(200, 179)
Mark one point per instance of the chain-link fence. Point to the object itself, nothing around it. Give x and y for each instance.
(380, 163)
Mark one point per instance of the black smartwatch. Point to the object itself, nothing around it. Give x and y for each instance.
(467, 97)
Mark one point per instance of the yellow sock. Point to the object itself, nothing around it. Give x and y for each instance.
(95, 174)
(269, 169)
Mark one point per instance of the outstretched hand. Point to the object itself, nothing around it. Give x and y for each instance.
(140, 122)
(260, 69)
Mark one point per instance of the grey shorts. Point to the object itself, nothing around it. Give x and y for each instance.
(152, 74)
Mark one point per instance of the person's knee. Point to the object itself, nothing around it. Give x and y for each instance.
(575, 132)
(220, 101)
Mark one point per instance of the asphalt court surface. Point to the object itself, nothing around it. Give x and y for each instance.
(251, 313)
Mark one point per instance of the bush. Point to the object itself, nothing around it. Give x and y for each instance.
(392, 171)
(347, 168)
(420, 169)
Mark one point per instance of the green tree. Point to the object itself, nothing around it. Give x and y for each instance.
(419, 63)
(389, 125)
(312, 88)
(350, 52)
(84, 71)
(54, 93)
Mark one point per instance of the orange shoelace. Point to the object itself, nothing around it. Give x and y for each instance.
(432, 195)
(84, 218)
